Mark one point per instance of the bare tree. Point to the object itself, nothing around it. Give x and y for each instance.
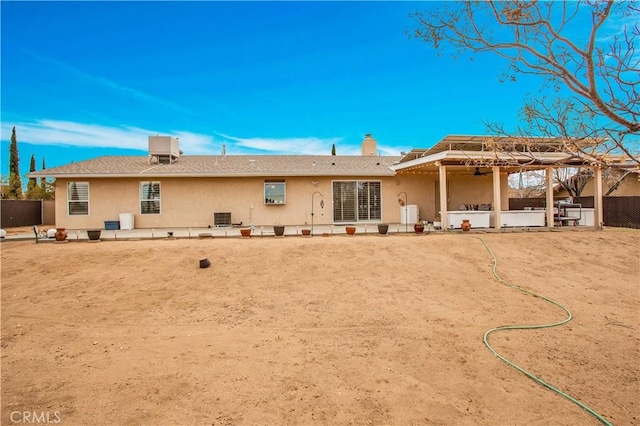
(573, 180)
(613, 178)
(588, 101)
(529, 184)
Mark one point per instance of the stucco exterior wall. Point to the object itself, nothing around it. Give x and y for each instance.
(630, 186)
(464, 188)
(192, 202)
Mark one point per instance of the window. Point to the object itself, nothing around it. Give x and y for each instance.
(275, 192)
(150, 197)
(355, 201)
(78, 198)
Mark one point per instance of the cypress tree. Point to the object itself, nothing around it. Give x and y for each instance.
(43, 180)
(32, 168)
(333, 149)
(15, 184)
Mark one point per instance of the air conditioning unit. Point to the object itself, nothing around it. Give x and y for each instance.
(164, 149)
(222, 219)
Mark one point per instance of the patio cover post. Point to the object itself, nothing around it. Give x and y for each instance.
(597, 198)
(443, 196)
(549, 187)
(497, 205)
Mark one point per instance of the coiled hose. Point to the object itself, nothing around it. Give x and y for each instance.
(527, 327)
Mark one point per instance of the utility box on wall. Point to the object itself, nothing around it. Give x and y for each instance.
(126, 221)
(409, 214)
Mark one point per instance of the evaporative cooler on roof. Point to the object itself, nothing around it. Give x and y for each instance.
(163, 149)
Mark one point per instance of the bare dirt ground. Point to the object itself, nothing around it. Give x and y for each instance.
(322, 330)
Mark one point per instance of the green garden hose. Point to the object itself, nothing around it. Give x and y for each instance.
(525, 327)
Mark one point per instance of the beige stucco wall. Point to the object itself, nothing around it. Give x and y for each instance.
(191, 202)
(630, 186)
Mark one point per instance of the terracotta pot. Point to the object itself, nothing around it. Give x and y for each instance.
(351, 230)
(418, 228)
(383, 228)
(465, 225)
(245, 232)
(61, 234)
(306, 232)
(278, 230)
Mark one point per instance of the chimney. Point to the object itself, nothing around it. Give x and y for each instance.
(369, 146)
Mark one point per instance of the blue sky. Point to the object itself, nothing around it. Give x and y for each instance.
(83, 79)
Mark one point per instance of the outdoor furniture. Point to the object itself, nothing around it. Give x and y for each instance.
(562, 214)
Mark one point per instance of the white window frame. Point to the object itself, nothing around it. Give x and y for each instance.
(157, 199)
(79, 200)
(267, 184)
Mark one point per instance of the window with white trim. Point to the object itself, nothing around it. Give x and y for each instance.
(275, 192)
(78, 198)
(149, 197)
(356, 201)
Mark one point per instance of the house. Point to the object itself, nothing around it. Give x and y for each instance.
(463, 174)
(169, 189)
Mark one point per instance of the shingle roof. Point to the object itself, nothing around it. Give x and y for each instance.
(228, 165)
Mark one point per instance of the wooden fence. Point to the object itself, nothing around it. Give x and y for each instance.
(26, 213)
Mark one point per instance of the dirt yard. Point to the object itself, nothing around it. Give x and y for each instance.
(323, 330)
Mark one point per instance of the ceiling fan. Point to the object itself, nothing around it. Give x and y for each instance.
(477, 172)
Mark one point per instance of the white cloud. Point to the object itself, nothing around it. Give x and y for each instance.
(391, 150)
(67, 133)
(308, 145)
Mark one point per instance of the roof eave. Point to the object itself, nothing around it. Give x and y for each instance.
(204, 175)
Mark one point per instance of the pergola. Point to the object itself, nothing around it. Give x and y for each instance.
(497, 155)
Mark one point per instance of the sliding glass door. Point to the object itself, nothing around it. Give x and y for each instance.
(356, 201)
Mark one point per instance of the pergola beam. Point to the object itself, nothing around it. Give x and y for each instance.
(549, 187)
(597, 198)
(442, 170)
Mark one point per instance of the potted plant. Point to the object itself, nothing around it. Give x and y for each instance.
(278, 230)
(418, 227)
(245, 232)
(61, 234)
(94, 234)
(383, 228)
